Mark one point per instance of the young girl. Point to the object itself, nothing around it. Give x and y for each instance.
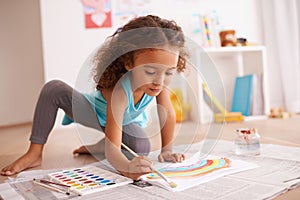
(132, 68)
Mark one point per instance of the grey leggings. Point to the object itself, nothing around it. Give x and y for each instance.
(56, 94)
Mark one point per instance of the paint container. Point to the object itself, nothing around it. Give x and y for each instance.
(88, 179)
(247, 142)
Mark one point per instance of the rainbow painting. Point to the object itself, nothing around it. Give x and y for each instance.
(196, 169)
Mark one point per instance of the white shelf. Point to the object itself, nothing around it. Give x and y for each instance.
(228, 63)
(216, 50)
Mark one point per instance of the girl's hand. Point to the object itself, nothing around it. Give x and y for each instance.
(168, 156)
(137, 167)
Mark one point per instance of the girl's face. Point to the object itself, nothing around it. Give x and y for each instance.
(153, 70)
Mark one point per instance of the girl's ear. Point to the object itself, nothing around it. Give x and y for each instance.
(128, 68)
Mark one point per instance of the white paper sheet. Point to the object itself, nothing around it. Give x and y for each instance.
(186, 182)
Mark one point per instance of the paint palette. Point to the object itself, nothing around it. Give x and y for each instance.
(88, 179)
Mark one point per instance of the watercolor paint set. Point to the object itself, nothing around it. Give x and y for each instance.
(88, 179)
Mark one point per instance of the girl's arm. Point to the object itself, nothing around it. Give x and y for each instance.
(167, 120)
(116, 104)
(113, 130)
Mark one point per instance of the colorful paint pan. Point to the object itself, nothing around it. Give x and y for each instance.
(89, 179)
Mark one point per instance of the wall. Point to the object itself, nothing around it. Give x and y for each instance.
(67, 44)
(21, 61)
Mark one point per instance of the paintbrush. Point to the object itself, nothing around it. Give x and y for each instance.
(54, 183)
(51, 187)
(171, 183)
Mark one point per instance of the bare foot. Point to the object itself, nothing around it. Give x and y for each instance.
(32, 158)
(97, 148)
(26, 161)
(81, 150)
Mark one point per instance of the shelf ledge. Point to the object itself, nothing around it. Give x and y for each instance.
(234, 49)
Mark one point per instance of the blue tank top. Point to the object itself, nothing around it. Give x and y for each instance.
(133, 113)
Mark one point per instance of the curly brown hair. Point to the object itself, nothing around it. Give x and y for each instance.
(140, 34)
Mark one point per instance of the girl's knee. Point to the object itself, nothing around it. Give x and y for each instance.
(54, 88)
(144, 147)
(141, 146)
(135, 137)
(54, 84)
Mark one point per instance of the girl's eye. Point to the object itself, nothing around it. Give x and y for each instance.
(170, 72)
(149, 72)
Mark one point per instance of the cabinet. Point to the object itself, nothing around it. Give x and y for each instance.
(218, 68)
